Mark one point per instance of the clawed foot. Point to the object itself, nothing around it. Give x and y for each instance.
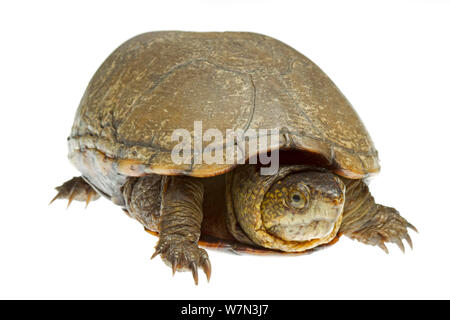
(183, 255)
(76, 189)
(386, 226)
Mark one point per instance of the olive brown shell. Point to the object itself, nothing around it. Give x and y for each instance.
(157, 82)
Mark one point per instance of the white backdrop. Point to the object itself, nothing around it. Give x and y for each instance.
(391, 60)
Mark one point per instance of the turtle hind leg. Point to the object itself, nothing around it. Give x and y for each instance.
(372, 223)
(76, 189)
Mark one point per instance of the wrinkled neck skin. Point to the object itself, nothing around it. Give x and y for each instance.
(297, 209)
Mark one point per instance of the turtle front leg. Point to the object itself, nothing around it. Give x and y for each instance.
(180, 226)
(179, 219)
(76, 189)
(372, 223)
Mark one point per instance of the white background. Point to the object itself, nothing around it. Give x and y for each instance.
(391, 60)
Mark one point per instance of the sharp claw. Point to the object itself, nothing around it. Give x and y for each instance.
(157, 251)
(412, 227)
(89, 197)
(71, 197)
(56, 197)
(399, 243)
(70, 201)
(206, 265)
(383, 247)
(408, 239)
(194, 272)
(174, 267)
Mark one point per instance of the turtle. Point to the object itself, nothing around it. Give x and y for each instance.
(158, 82)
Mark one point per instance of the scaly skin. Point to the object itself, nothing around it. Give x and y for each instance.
(261, 206)
(143, 200)
(180, 226)
(172, 206)
(258, 198)
(76, 189)
(372, 223)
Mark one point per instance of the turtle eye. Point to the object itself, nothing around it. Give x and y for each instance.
(297, 200)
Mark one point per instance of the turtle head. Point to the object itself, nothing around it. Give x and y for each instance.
(297, 209)
(303, 206)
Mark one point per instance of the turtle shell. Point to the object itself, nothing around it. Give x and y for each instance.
(158, 82)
